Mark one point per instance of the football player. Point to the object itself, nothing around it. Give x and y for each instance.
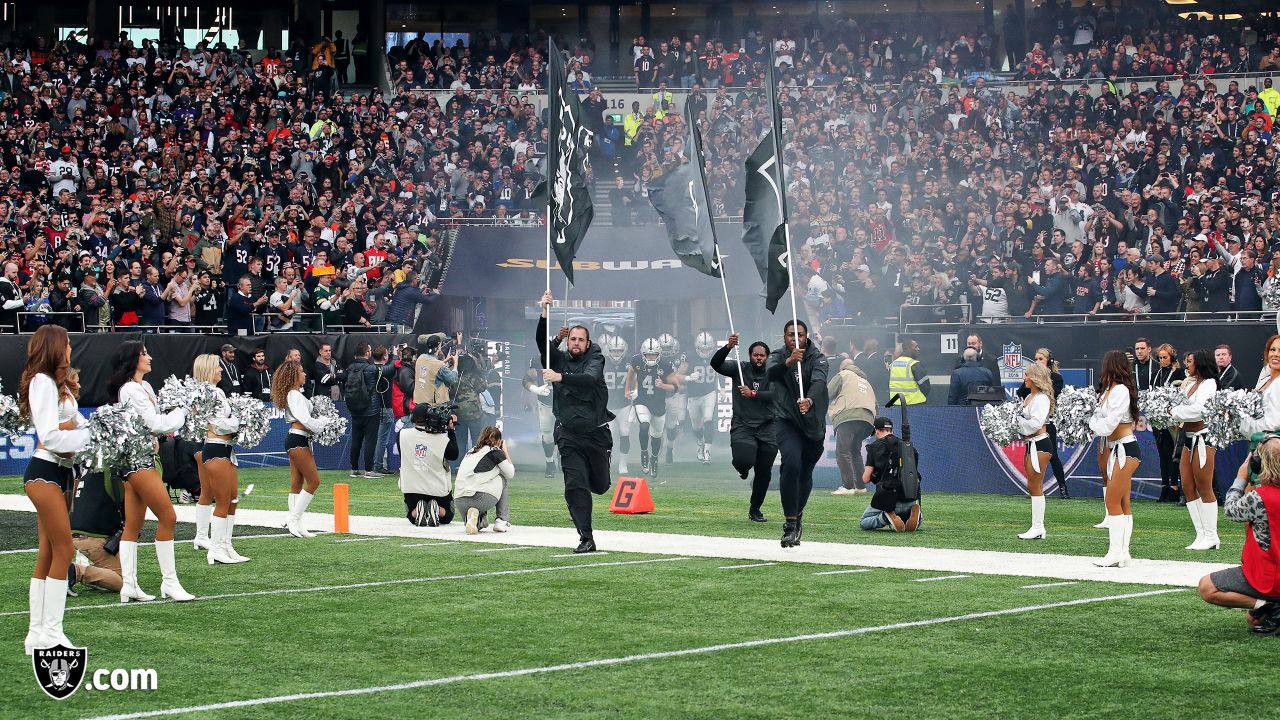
(615, 378)
(677, 400)
(701, 384)
(647, 387)
(540, 389)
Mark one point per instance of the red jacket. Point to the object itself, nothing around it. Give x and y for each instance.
(1262, 568)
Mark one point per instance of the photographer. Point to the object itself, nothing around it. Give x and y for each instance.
(888, 506)
(427, 448)
(482, 481)
(1255, 584)
(97, 519)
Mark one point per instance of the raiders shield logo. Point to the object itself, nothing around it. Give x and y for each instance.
(59, 669)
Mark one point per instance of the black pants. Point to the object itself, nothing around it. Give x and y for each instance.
(849, 437)
(1055, 462)
(754, 448)
(799, 456)
(584, 459)
(364, 438)
(1166, 448)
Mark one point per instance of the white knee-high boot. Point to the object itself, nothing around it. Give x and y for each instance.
(1106, 518)
(35, 625)
(55, 606)
(226, 545)
(1037, 520)
(169, 585)
(293, 500)
(1116, 528)
(218, 530)
(129, 573)
(1128, 536)
(1193, 509)
(203, 514)
(295, 517)
(1209, 525)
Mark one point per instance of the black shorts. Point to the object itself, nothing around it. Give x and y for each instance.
(1189, 443)
(41, 470)
(217, 451)
(1045, 445)
(1131, 451)
(294, 440)
(125, 472)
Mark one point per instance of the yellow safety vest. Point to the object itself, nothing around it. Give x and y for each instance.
(902, 382)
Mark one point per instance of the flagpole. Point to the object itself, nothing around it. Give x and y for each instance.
(546, 360)
(776, 121)
(729, 309)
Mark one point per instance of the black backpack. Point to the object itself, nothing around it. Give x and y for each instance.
(359, 397)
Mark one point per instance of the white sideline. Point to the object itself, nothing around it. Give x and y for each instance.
(982, 562)
(604, 662)
(371, 584)
(238, 538)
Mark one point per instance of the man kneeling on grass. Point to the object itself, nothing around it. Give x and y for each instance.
(426, 449)
(1255, 585)
(889, 505)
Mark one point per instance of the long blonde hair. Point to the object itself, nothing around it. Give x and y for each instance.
(1173, 355)
(1269, 455)
(1053, 364)
(204, 367)
(1043, 383)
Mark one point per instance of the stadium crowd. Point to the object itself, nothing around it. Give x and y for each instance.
(164, 185)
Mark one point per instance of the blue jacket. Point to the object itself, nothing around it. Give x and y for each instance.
(403, 302)
(1054, 291)
(968, 374)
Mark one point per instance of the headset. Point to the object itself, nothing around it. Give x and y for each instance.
(1255, 460)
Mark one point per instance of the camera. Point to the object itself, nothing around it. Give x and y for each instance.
(433, 418)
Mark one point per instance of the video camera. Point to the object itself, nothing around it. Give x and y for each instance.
(433, 418)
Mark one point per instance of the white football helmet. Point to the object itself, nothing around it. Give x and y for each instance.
(650, 351)
(615, 348)
(704, 345)
(668, 346)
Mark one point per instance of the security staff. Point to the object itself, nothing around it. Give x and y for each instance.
(580, 403)
(800, 423)
(751, 431)
(907, 376)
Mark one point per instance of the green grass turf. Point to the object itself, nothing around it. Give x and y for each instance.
(1151, 656)
(711, 500)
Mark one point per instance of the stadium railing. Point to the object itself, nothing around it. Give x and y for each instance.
(1198, 318)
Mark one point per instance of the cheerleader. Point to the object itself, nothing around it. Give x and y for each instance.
(1037, 408)
(1270, 388)
(46, 400)
(217, 463)
(1118, 457)
(286, 394)
(1196, 464)
(144, 490)
(1168, 373)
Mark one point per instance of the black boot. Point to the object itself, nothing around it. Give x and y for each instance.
(1062, 489)
(799, 527)
(587, 545)
(754, 515)
(789, 534)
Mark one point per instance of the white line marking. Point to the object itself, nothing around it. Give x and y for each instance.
(843, 572)
(565, 555)
(1047, 585)
(940, 577)
(357, 586)
(179, 542)
(503, 549)
(739, 567)
(360, 539)
(605, 662)
(431, 544)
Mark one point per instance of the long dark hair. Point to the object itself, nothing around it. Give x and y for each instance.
(46, 354)
(124, 363)
(1206, 368)
(1117, 371)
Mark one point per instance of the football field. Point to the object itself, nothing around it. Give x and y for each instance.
(712, 623)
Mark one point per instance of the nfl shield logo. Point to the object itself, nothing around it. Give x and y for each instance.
(419, 451)
(59, 669)
(1013, 356)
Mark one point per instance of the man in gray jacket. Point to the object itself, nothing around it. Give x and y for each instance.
(853, 408)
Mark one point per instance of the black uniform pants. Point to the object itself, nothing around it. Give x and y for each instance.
(1055, 460)
(1166, 448)
(754, 448)
(799, 456)
(584, 459)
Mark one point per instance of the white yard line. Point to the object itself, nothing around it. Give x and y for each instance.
(438, 544)
(626, 659)
(740, 567)
(1037, 586)
(843, 572)
(971, 562)
(373, 584)
(940, 577)
(565, 555)
(179, 543)
(360, 539)
(500, 549)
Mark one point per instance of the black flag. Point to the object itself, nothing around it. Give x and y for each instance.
(681, 199)
(568, 197)
(762, 214)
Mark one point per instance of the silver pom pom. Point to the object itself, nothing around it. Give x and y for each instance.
(253, 416)
(1223, 412)
(118, 438)
(1157, 405)
(1075, 406)
(335, 427)
(11, 423)
(1000, 422)
(200, 400)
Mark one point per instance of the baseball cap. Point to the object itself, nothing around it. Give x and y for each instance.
(228, 346)
(883, 423)
(1155, 258)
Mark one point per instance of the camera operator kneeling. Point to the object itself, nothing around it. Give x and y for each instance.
(426, 449)
(889, 505)
(1255, 585)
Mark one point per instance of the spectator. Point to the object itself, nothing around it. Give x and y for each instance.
(386, 415)
(1051, 295)
(402, 388)
(326, 374)
(482, 481)
(151, 305)
(231, 381)
(257, 377)
(404, 303)
(241, 307)
(974, 340)
(964, 378)
(852, 409)
(1161, 289)
(177, 294)
(1248, 282)
(364, 401)
(1213, 285)
(1228, 376)
(286, 302)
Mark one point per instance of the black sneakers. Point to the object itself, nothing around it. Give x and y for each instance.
(790, 534)
(1268, 617)
(756, 516)
(587, 545)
